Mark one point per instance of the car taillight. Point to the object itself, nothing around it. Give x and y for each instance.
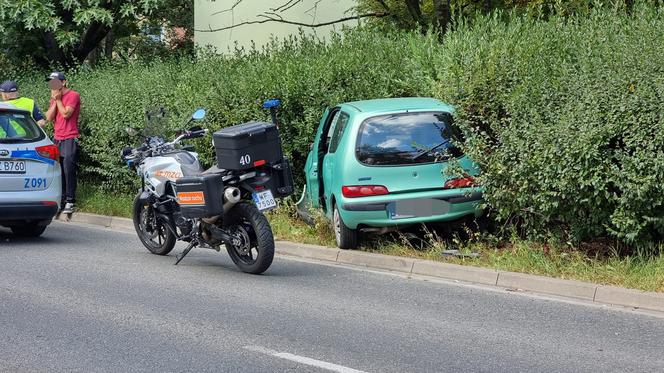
(49, 151)
(49, 203)
(463, 182)
(353, 191)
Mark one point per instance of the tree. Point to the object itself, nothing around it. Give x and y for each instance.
(65, 32)
(276, 13)
(439, 14)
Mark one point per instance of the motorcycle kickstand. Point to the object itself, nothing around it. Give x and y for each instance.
(185, 252)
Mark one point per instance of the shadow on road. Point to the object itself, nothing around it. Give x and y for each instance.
(211, 262)
(8, 239)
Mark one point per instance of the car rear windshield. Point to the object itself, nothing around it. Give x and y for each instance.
(18, 128)
(410, 138)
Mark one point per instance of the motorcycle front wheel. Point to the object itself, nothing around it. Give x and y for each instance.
(255, 252)
(156, 237)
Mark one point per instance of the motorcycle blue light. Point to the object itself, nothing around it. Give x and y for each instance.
(269, 104)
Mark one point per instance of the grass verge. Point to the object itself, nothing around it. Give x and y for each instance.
(92, 200)
(516, 255)
(637, 272)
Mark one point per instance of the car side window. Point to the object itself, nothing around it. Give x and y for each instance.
(338, 130)
(326, 136)
(333, 124)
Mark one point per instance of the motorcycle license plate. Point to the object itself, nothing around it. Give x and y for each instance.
(264, 200)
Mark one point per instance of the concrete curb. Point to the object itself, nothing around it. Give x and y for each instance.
(457, 272)
(392, 263)
(601, 294)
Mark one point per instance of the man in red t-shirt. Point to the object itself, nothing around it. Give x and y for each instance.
(64, 111)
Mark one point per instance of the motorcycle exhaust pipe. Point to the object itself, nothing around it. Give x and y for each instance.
(232, 196)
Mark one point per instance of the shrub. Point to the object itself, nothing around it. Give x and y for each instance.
(566, 119)
(306, 73)
(564, 116)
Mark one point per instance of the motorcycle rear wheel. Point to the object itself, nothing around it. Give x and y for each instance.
(256, 253)
(158, 239)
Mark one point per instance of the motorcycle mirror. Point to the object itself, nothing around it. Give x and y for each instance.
(198, 114)
(131, 131)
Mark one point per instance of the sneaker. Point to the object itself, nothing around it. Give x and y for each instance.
(69, 208)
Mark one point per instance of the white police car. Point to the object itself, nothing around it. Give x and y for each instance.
(30, 176)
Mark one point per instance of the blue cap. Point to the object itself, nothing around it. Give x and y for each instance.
(56, 75)
(8, 86)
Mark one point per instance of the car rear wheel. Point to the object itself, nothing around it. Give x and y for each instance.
(346, 238)
(29, 230)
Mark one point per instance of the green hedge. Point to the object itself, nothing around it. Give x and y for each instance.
(305, 73)
(567, 120)
(564, 116)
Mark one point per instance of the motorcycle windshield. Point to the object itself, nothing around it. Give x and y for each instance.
(156, 123)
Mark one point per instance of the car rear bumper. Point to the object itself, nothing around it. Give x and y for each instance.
(22, 211)
(380, 213)
(33, 204)
(382, 206)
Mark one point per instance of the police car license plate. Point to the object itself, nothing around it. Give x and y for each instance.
(12, 167)
(264, 200)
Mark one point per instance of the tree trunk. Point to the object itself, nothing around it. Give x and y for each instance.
(488, 6)
(443, 15)
(416, 13)
(54, 53)
(93, 56)
(95, 33)
(629, 4)
(109, 44)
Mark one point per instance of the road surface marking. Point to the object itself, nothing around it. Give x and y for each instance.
(303, 360)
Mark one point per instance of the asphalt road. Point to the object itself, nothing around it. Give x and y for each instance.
(92, 300)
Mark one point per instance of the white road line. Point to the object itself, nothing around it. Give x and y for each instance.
(303, 360)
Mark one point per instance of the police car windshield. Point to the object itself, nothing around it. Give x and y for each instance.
(18, 128)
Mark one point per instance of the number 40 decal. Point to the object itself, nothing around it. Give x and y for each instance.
(245, 160)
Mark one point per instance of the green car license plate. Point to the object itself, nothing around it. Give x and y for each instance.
(417, 208)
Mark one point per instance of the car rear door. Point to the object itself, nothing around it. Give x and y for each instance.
(313, 166)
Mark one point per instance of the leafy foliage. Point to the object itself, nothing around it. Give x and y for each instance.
(564, 116)
(65, 32)
(566, 120)
(425, 14)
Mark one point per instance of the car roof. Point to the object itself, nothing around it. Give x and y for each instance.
(11, 108)
(398, 104)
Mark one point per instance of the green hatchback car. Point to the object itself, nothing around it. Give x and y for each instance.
(378, 166)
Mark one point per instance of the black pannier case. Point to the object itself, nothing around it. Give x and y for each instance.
(238, 147)
(278, 178)
(200, 196)
(282, 179)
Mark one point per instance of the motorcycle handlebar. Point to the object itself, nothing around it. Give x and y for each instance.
(187, 135)
(132, 154)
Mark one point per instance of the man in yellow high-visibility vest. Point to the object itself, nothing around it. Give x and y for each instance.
(10, 95)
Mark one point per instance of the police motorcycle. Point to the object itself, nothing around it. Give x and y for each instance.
(180, 201)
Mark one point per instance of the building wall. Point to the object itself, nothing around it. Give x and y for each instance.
(216, 14)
